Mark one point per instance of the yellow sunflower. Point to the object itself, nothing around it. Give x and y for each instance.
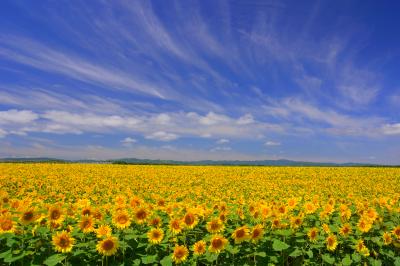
(55, 214)
(345, 230)
(215, 226)
(155, 235)
(140, 215)
(396, 232)
(331, 242)
(175, 226)
(199, 248)
(387, 238)
(7, 225)
(103, 231)
(313, 234)
(28, 216)
(180, 254)
(217, 244)
(107, 246)
(86, 224)
(190, 220)
(63, 242)
(241, 234)
(121, 219)
(256, 233)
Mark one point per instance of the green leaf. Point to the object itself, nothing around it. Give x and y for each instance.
(6, 254)
(397, 261)
(346, 261)
(166, 261)
(12, 259)
(278, 245)
(356, 257)
(374, 262)
(136, 262)
(310, 254)
(297, 252)
(149, 259)
(328, 259)
(261, 254)
(54, 260)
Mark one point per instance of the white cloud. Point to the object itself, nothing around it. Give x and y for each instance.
(391, 129)
(219, 148)
(3, 133)
(14, 116)
(272, 143)
(222, 141)
(212, 119)
(162, 136)
(128, 141)
(245, 120)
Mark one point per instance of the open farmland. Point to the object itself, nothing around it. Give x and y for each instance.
(76, 214)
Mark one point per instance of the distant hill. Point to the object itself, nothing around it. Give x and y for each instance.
(280, 162)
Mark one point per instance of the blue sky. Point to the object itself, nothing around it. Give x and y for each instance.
(191, 80)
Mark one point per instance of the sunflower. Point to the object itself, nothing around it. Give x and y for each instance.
(387, 238)
(364, 225)
(331, 242)
(215, 226)
(396, 232)
(175, 226)
(217, 244)
(180, 254)
(199, 248)
(276, 223)
(28, 216)
(86, 224)
(103, 231)
(7, 225)
(241, 234)
(326, 228)
(140, 215)
(121, 219)
(107, 246)
(190, 220)
(310, 208)
(313, 234)
(155, 222)
(295, 222)
(256, 233)
(63, 242)
(55, 214)
(345, 230)
(361, 248)
(86, 211)
(155, 235)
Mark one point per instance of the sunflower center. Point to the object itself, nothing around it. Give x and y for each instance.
(86, 212)
(108, 245)
(240, 233)
(122, 219)
(6, 225)
(55, 214)
(28, 216)
(141, 214)
(256, 233)
(189, 219)
(179, 253)
(64, 242)
(217, 243)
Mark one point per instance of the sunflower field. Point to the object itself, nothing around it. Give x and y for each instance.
(102, 214)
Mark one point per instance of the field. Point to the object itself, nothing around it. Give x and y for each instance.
(77, 214)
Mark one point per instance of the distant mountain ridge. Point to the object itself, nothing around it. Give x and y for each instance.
(279, 162)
